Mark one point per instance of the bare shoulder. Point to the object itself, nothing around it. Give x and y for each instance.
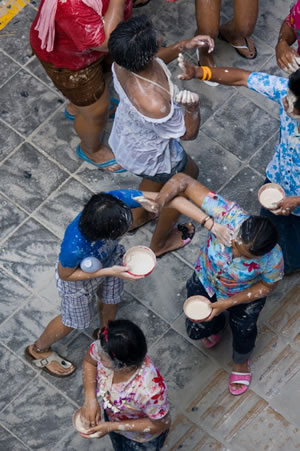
(153, 105)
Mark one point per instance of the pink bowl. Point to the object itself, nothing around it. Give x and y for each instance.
(140, 259)
(193, 302)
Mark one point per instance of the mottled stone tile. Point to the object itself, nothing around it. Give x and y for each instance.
(227, 127)
(12, 295)
(263, 102)
(35, 67)
(243, 189)
(164, 289)
(34, 177)
(8, 68)
(268, 430)
(9, 140)
(14, 375)
(152, 325)
(39, 416)
(19, 105)
(74, 350)
(62, 208)
(57, 138)
(183, 366)
(31, 254)
(10, 217)
(215, 164)
(18, 45)
(9, 443)
(74, 442)
(26, 325)
(263, 157)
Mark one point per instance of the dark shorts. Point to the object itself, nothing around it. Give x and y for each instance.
(82, 87)
(164, 177)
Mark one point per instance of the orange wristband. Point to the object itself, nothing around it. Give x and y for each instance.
(209, 73)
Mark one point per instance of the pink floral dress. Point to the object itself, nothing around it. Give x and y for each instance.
(144, 395)
(293, 21)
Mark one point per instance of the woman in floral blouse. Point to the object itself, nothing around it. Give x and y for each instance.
(130, 389)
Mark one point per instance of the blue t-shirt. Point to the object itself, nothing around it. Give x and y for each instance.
(75, 247)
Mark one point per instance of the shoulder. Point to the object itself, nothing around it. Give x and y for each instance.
(154, 106)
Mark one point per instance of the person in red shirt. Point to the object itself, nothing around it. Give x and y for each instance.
(70, 40)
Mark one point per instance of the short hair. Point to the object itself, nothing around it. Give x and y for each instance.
(294, 85)
(124, 342)
(260, 234)
(134, 43)
(104, 217)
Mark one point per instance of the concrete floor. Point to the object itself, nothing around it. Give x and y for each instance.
(44, 185)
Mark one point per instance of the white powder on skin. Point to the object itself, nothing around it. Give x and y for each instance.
(197, 309)
(139, 263)
(270, 197)
(80, 426)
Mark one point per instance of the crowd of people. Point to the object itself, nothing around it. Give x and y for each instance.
(81, 44)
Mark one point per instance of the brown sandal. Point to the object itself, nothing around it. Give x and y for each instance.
(45, 361)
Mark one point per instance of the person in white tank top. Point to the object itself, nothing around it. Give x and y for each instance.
(151, 118)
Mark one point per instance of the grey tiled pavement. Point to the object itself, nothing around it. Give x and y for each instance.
(44, 185)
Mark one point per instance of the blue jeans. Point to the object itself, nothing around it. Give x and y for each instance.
(288, 228)
(121, 443)
(242, 321)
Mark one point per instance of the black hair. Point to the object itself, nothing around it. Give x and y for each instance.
(294, 85)
(104, 217)
(260, 234)
(124, 342)
(134, 43)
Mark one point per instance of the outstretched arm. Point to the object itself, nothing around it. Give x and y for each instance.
(168, 54)
(224, 75)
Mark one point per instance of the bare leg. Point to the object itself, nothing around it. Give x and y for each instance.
(107, 313)
(54, 332)
(165, 238)
(89, 124)
(242, 25)
(207, 17)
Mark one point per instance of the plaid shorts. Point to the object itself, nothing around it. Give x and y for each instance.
(79, 299)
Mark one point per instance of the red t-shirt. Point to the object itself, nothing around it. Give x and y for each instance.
(78, 28)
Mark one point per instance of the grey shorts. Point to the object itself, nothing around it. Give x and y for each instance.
(164, 176)
(79, 299)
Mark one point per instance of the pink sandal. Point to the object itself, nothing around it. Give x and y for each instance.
(239, 378)
(211, 341)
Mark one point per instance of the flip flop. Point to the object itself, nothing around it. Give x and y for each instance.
(140, 5)
(211, 341)
(113, 103)
(186, 235)
(209, 83)
(237, 47)
(44, 362)
(104, 165)
(239, 378)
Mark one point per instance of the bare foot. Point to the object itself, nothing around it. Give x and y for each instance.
(54, 367)
(174, 240)
(101, 156)
(240, 368)
(249, 50)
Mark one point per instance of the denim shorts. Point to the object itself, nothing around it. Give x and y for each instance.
(164, 177)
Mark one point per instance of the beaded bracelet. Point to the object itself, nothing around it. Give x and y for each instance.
(207, 73)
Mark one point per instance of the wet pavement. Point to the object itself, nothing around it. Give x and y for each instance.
(43, 187)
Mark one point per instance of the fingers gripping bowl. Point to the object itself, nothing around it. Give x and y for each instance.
(81, 426)
(140, 260)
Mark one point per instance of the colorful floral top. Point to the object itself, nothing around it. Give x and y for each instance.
(218, 271)
(144, 395)
(284, 168)
(293, 21)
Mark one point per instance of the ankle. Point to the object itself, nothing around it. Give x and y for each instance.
(39, 350)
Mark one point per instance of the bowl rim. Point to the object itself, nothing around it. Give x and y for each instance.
(191, 298)
(267, 186)
(149, 251)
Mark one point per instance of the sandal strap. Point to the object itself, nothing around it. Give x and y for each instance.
(240, 378)
(44, 362)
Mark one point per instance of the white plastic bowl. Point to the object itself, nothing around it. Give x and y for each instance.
(140, 260)
(197, 308)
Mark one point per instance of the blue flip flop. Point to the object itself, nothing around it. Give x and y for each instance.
(113, 103)
(104, 165)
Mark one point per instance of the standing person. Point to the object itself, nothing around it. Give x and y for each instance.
(288, 59)
(130, 389)
(237, 31)
(95, 232)
(235, 278)
(70, 40)
(151, 117)
(284, 166)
